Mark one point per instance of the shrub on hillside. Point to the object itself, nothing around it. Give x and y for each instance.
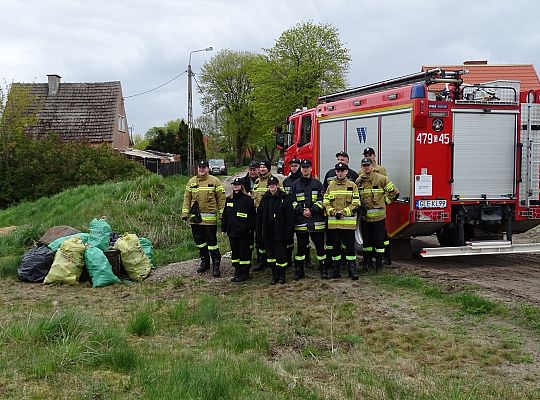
(37, 168)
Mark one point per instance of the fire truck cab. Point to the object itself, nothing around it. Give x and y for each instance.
(466, 158)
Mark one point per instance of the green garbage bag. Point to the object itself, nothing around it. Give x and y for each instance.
(135, 262)
(100, 234)
(99, 268)
(55, 244)
(68, 262)
(147, 247)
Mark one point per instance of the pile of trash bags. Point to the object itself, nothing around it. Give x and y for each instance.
(64, 259)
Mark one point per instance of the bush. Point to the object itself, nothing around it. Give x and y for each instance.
(38, 168)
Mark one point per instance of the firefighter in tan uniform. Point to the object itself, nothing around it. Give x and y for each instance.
(376, 191)
(369, 152)
(204, 201)
(341, 202)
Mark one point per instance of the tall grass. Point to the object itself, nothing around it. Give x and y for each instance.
(41, 347)
(214, 376)
(147, 206)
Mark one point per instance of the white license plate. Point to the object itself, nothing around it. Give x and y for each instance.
(430, 203)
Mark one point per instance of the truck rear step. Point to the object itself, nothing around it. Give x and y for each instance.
(479, 248)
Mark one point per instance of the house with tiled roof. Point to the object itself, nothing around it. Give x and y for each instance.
(481, 71)
(93, 113)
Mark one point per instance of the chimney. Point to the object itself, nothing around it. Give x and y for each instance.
(54, 84)
(475, 62)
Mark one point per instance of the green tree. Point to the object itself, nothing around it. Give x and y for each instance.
(225, 84)
(305, 62)
(173, 138)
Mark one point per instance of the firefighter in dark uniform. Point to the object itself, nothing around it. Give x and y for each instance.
(204, 200)
(249, 183)
(259, 190)
(238, 223)
(376, 191)
(293, 176)
(275, 228)
(369, 152)
(307, 196)
(341, 202)
(251, 177)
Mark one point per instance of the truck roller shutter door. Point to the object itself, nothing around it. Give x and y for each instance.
(361, 133)
(484, 151)
(331, 139)
(396, 131)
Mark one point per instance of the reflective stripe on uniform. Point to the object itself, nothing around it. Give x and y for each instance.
(245, 262)
(386, 242)
(216, 247)
(200, 246)
(283, 265)
(242, 215)
(379, 250)
(350, 258)
(300, 258)
(320, 258)
(336, 258)
(270, 260)
(375, 212)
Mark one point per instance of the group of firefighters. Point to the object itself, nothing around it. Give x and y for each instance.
(263, 212)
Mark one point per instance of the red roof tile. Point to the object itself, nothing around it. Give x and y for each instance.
(525, 73)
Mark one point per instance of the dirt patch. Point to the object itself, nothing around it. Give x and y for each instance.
(189, 268)
(6, 230)
(506, 277)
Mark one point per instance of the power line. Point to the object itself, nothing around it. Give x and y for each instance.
(157, 87)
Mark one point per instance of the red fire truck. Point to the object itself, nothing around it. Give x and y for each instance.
(466, 158)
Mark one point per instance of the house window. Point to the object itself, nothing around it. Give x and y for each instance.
(121, 123)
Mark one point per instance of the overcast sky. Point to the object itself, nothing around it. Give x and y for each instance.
(143, 44)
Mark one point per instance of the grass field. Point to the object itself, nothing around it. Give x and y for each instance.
(386, 336)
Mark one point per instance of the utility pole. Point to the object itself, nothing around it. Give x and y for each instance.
(191, 150)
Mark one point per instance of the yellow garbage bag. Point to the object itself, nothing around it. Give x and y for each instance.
(68, 262)
(135, 262)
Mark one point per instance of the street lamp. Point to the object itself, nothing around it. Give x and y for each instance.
(191, 153)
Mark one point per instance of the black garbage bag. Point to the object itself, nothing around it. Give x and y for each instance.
(36, 264)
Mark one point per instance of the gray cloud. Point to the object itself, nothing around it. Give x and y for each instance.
(144, 44)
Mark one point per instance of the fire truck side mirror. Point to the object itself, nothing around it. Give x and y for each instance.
(280, 141)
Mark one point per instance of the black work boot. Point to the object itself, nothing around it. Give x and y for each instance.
(275, 276)
(351, 266)
(379, 263)
(367, 262)
(323, 267)
(205, 261)
(216, 261)
(387, 260)
(308, 263)
(244, 274)
(281, 274)
(336, 269)
(298, 270)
